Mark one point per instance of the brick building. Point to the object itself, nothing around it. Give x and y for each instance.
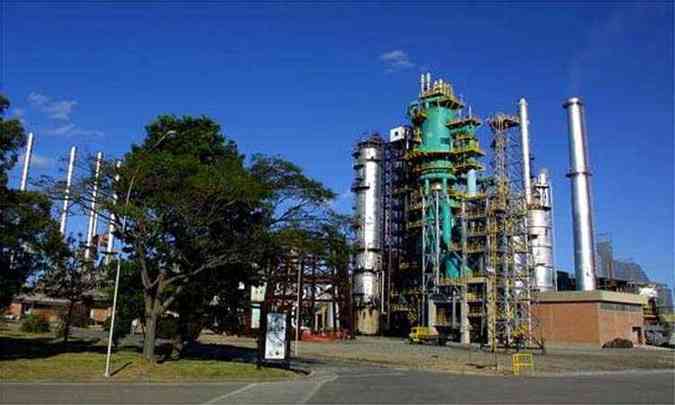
(589, 318)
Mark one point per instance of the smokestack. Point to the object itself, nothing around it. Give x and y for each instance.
(111, 223)
(26, 162)
(91, 230)
(69, 179)
(428, 81)
(421, 83)
(525, 141)
(582, 214)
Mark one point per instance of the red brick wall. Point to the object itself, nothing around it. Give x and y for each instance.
(584, 323)
(620, 324)
(567, 322)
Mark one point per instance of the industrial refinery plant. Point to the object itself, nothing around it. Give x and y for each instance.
(459, 237)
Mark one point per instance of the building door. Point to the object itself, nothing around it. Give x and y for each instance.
(637, 335)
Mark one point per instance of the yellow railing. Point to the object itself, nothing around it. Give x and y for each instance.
(522, 361)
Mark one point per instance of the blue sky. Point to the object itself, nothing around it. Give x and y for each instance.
(304, 81)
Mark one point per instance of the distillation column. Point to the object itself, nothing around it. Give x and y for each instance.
(368, 189)
(582, 213)
(539, 209)
(540, 225)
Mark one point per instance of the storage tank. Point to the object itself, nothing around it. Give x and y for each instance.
(368, 188)
(540, 224)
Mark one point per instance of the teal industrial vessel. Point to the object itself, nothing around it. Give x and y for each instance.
(444, 162)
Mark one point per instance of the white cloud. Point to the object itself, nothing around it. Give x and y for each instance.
(63, 130)
(71, 129)
(60, 110)
(396, 60)
(57, 110)
(86, 132)
(37, 99)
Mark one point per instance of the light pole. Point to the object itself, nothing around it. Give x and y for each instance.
(301, 269)
(119, 261)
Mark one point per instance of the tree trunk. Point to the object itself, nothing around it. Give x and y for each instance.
(67, 322)
(150, 333)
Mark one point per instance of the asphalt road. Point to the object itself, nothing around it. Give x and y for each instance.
(355, 384)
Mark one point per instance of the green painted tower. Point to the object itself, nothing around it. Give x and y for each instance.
(444, 163)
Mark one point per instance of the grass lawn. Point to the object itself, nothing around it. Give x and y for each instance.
(25, 357)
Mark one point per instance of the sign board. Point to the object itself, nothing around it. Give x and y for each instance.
(255, 317)
(258, 293)
(275, 340)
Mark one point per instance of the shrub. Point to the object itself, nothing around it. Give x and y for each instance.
(618, 343)
(35, 324)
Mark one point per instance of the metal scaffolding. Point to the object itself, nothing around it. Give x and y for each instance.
(509, 271)
(320, 290)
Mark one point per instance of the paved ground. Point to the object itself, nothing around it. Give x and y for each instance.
(455, 358)
(331, 384)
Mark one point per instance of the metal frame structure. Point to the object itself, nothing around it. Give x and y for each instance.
(509, 292)
(318, 283)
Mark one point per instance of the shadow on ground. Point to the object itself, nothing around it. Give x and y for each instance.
(39, 347)
(43, 347)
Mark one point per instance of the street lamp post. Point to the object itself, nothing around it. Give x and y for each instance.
(119, 262)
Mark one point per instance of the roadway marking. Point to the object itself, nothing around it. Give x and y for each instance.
(316, 388)
(229, 394)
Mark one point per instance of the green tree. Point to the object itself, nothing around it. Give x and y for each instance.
(191, 207)
(28, 235)
(195, 220)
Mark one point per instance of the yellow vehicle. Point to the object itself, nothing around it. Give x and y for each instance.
(426, 334)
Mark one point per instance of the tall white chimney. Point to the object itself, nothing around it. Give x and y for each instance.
(91, 230)
(111, 223)
(525, 141)
(66, 194)
(582, 212)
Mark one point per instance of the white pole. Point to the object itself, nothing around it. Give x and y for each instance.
(26, 162)
(91, 230)
(111, 222)
(297, 315)
(117, 286)
(114, 308)
(69, 179)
